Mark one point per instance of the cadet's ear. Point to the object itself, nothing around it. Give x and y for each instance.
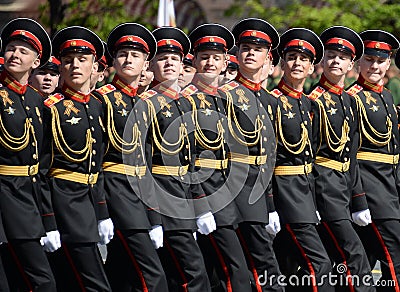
(36, 63)
(311, 70)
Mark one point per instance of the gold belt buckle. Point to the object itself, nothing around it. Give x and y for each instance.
(181, 171)
(307, 168)
(345, 166)
(396, 159)
(32, 170)
(258, 160)
(91, 179)
(137, 170)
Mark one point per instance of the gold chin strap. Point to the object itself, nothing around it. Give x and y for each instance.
(334, 143)
(381, 139)
(159, 139)
(116, 140)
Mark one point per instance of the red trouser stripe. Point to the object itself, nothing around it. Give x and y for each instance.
(388, 257)
(351, 287)
(20, 268)
(250, 260)
(303, 253)
(178, 266)
(222, 262)
(134, 262)
(74, 270)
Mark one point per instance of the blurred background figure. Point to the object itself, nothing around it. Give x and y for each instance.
(233, 67)
(187, 72)
(146, 78)
(45, 78)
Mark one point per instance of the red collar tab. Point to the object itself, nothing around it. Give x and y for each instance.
(248, 83)
(210, 39)
(204, 87)
(78, 43)
(377, 45)
(125, 88)
(342, 42)
(75, 95)
(287, 90)
(329, 86)
(368, 85)
(169, 42)
(133, 39)
(31, 38)
(297, 43)
(255, 34)
(12, 84)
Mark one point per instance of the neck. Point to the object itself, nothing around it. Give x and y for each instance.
(297, 84)
(131, 80)
(254, 76)
(211, 81)
(84, 88)
(337, 80)
(21, 78)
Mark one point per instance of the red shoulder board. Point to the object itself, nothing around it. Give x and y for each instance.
(53, 99)
(106, 89)
(276, 92)
(229, 86)
(189, 90)
(316, 93)
(354, 89)
(147, 94)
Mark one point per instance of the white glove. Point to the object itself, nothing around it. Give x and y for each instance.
(52, 241)
(274, 226)
(206, 223)
(157, 236)
(106, 230)
(362, 218)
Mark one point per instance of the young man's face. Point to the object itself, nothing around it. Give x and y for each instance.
(210, 62)
(336, 63)
(166, 66)
(251, 57)
(20, 57)
(44, 80)
(373, 68)
(97, 76)
(129, 62)
(296, 66)
(76, 69)
(186, 75)
(267, 69)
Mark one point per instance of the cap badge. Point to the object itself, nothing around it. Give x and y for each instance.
(301, 43)
(129, 39)
(73, 43)
(211, 39)
(22, 32)
(168, 42)
(253, 33)
(340, 42)
(377, 45)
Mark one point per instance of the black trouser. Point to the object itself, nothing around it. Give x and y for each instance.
(79, 267)
(183, 262)
(303, 258)
(223, 254)
(351, 267)
(132, 263)
(3, 279)
(381, 241)
(27, 267)
(260, 256)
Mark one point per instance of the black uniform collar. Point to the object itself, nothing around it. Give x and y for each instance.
(287, 90)
(123, 86)
(369, 86)
(248, 83)
(212, 90)
(11, 83)
(75, 95)
(329, 86)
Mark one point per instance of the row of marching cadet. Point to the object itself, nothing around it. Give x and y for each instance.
(195, 176)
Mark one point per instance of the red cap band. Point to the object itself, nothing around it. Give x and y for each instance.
(377, 45)
(256, 34)
(210, 39)
(133, 39)
(54, 60)
(301, 43)
(33, 40)
(343, 42)
(233, 59)
(1, 60)
(78, 43)
(169, 42)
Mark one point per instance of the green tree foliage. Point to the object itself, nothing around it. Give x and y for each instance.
(319, 15)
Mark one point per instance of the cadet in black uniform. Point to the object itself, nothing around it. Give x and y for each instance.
(75, 158)
(293, 183)
(132, 261)
(26, 209)
(251, 153)
(338, 188)
(221, 248)
(171, 133)
(378, 154)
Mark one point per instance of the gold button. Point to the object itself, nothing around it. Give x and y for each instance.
(87, 106)
(305, 123)
(34, 156)
(186, 158)
(92, 129)
(346, 159)
(265, 139)
(34, 179)
(264, 127)
(94, 152)
(33, 144)
(94, 141)
(307, 153)
(261, 105)
(91, 117)
(347, 149)
(27, 108)
(263, 116)
(93, 163)
(262, 169)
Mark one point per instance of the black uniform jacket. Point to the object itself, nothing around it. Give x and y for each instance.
(130, 198)
(211, 129)
(293, 194)
(25, 209)
(379, 134)
(172, 138)
(252, 148)
(335, 131)
(77, 128)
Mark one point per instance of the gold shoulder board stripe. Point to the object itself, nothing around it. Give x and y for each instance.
(316, 93)
(354, 89)
(189, 90)
(229, 86)
(106, 89)
(53, 99)
(147, 94)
